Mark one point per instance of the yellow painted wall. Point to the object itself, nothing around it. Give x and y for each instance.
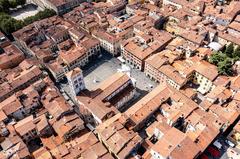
(133, 1)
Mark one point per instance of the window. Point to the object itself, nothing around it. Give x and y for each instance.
(76, 86)
(34, 132)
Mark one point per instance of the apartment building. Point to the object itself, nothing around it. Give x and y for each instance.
(26, 37)
(204, 75)
(233, 28)
(11, 57)
(13, 108)
(13, 145)
(4, 41)
(152, 64)
(89, 144)
(26, 129)
(167, 146)
(80, 55)
(135, 50)
(181, 45)
(65, 122)
(45, 34)
(87, 17)
(194, 37)
(141, 111)
(159, 68)
(197, 134)
(68, 126)
(119, 141)
(176, 3)
(19, 78)
(93, 110)
(108, 42)
(58, 69)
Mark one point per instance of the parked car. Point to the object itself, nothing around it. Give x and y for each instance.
(217, 144)
(214, 152)
(204, 156)
(230, 143)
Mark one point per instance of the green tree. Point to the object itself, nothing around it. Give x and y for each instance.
(229, 50)
(4, 5)
(21, 2)
(236, 52)
(9, 24)
(40, 15)
(4, 16)
(225, 67)
(217, 57)
(15, 3)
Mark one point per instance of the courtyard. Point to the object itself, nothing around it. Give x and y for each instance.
(25, 11)
(106, 65)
